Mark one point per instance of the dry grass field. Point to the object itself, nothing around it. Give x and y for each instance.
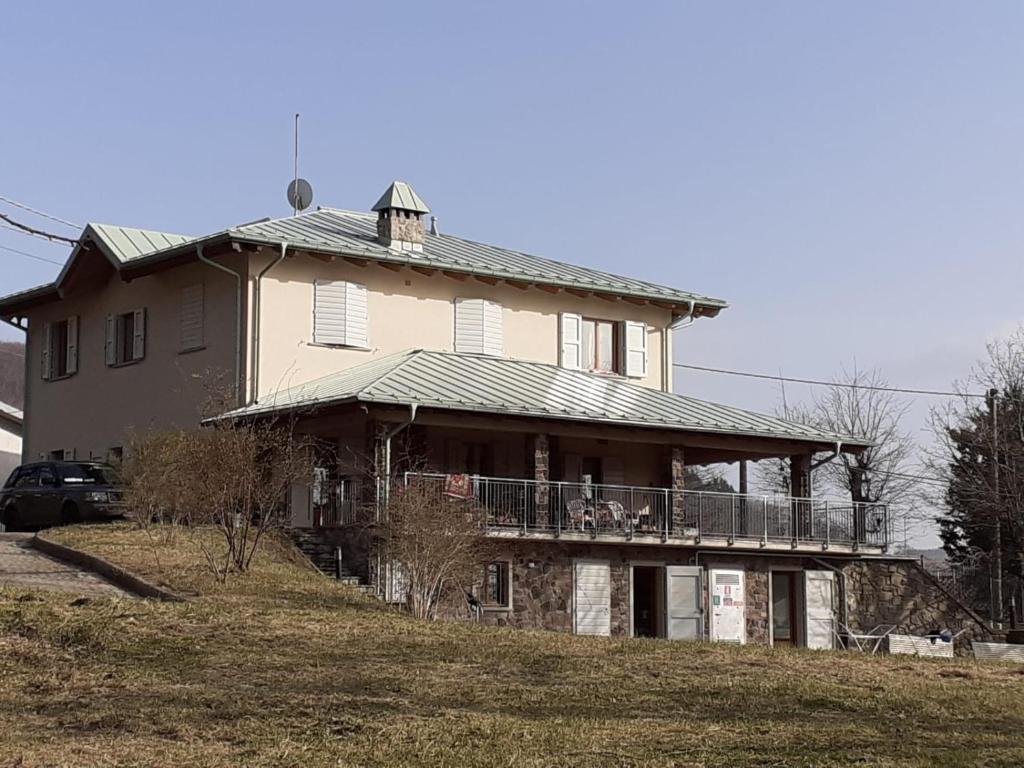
(283, 667)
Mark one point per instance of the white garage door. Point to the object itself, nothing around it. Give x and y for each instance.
(592, 597)
(728, 607)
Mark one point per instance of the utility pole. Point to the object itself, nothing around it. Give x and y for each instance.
(992, 400)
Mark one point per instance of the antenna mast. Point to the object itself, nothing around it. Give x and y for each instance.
(295, 205)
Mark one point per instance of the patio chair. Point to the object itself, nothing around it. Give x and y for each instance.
(579, 513)
(866, 642)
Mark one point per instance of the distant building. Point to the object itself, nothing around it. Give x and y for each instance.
(10, 439)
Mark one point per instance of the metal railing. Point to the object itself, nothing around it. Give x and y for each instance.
(534, 506)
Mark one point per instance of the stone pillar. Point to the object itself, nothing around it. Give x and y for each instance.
(800, 488)
(538, 460)
(678, 468)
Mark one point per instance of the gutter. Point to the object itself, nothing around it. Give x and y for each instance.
(259, 322)
(238, 319)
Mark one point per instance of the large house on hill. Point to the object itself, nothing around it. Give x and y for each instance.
(540, 390)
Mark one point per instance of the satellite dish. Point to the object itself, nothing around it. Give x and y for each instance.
(300, 194)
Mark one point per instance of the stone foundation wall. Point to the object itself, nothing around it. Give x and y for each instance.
(901, 592)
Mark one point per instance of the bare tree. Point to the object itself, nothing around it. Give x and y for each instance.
(437, 543)
(231, 476)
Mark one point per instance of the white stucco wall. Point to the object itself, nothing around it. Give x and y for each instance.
(10, 447)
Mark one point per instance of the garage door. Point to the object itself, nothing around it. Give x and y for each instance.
(592, 597)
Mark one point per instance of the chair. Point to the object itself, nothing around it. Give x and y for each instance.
(579, 514)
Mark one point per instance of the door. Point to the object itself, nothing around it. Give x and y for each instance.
(684, 598)
(46, 501)
(785, 627)
(728, 606)
(819, 594)
(592, 597)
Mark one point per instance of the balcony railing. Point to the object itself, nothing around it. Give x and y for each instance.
(633, 512)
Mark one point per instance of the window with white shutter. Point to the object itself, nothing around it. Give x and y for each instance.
(478, 327)
(571, 332)
(59, 354)
(191, 318)
(634, 349)
(125, 337)
(340, 314)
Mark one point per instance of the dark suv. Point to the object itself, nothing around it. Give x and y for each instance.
(53, 492)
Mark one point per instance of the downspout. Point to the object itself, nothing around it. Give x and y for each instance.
(666, 345)
(383, 493)
(238, 319)
(259, 322)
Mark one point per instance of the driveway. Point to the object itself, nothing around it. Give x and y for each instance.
(25, 567)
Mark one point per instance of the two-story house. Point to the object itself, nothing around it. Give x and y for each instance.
(540, 390)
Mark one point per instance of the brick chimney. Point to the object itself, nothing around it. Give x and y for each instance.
(399, 218)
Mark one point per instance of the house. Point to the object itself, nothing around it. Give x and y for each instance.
(10, 439)
(538, 389)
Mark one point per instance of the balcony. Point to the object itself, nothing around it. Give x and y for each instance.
(622, 513)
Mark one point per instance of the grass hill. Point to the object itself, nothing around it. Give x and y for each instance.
(284, 667)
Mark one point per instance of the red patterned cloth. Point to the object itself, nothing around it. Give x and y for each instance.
(458, 486)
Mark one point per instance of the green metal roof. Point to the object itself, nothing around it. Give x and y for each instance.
(127, 243)
(401, 195)
(465, 382)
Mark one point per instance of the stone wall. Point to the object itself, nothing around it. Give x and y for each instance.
(901, 592)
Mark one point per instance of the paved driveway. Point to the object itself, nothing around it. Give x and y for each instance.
(23, 566)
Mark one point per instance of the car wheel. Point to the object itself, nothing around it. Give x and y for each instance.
(69, 514)
(11, 519)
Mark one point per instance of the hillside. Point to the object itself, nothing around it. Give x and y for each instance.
(12, 373)
(287, 668)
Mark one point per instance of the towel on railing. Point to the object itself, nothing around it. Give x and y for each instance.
(458, 486)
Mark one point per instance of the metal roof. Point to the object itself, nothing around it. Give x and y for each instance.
(401, 195)
(465, 382)
(10, 412)
(355, 233)
(127, 243)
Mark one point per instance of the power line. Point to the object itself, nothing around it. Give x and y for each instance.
(30, 255)
(18, 226)
(37, 212)
(821, 383)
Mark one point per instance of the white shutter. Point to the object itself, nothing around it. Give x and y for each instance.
(612, 471)
(139, 338)
(110, 341)
(684, 598)
(357, 330)
(340, 313)
(478, 327)
(820, 609)
(592, 597)
(191, 318)
(72, 348)
(47, 371)
(571, 329)
(635, 349)
(728, 606)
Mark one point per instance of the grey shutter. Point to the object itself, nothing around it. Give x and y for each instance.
(684, 598)
(634, 342)
(190, 321)
(357, 321)
(72, 348)
(612, 471)
(47, 371)
(572, 468)
(571, 332)
(110, 341)
(139, 340)
(494, 341)
(469, 325)
(340, 313)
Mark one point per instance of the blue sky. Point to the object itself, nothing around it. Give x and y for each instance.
(849, 177)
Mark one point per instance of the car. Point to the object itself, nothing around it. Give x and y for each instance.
(45, 493)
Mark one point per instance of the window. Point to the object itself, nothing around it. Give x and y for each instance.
(28, 477)
(478, 327)
(126, 337)
(340, 314)
(598, 345)
(87, 474)
(190, 318)
(60, 348)
(603, 346)
(496, 585)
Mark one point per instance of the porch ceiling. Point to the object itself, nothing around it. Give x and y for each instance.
(500, 386)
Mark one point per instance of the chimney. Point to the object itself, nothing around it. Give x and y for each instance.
(399, 214)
